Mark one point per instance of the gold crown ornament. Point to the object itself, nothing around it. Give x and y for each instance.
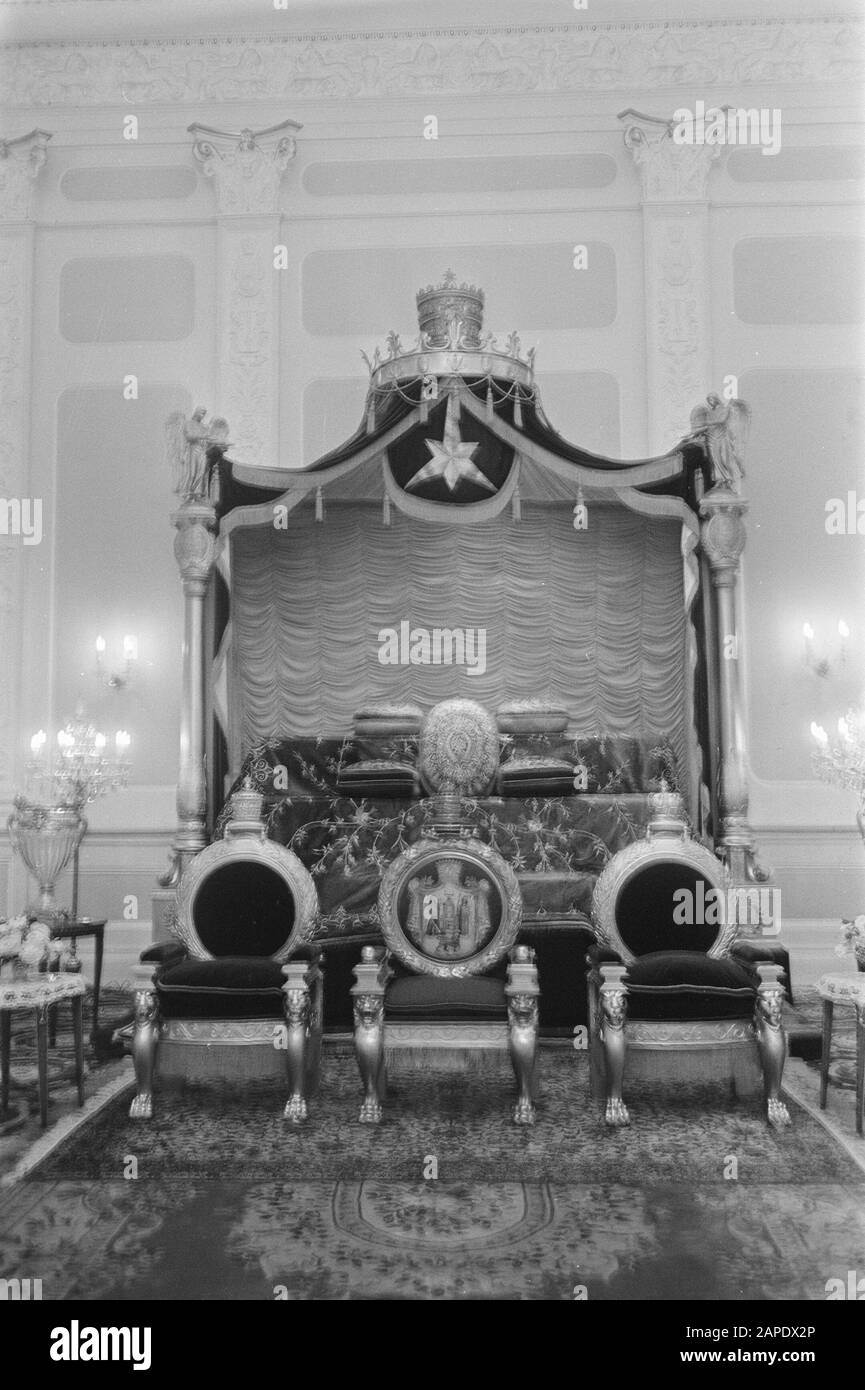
(451, 313)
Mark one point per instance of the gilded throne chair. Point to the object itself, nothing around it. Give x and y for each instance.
(451, 985)
(239, 994)
(668, 995)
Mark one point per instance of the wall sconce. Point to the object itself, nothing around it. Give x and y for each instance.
(821, 663)
(116, 679)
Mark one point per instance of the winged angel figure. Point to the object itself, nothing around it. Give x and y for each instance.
(187, 446)
(723, 427)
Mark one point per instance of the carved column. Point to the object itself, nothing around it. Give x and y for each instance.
(723, 537)
(246, 169)
(21, 160)
(195, 552)
(676, 250)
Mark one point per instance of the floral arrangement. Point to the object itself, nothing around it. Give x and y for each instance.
(852, 938)
(24, 942)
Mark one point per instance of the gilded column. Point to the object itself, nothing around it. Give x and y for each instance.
(723, 538)
(21, 160)
(195, 552)
(246, 170)
(674, 182)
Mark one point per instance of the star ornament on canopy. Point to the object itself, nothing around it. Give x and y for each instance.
(451, 458)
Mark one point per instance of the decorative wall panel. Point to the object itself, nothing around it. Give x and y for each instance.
(808, 164)
(808, 426)
(799, 280)
(107, 185)
(127, 299)
(115, 490)
(439, 176)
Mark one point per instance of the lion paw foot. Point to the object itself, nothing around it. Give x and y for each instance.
(295, 1110)
(777, 1114)
(141, 1107)
(524, 1112)
(370, 1112)
(617, 1113)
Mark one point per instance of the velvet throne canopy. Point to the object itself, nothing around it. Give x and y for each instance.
(457, 546)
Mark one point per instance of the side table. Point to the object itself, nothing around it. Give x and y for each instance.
(40, 993)
(844, 989)
(70, 931)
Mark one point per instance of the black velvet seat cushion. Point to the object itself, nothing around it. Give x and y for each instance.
(426, 996)
(688, 985)
(230, 987)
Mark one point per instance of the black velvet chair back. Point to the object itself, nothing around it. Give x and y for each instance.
(652, 912)
(665, 893)
(244, 891)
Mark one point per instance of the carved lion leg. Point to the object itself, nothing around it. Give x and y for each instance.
(614, 1007)
(145, 1040)
(772, 1043)
(369, 1049)
(296, 1002)
(522, 992)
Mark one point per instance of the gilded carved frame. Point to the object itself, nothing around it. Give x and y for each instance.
(248, 847)
(412, 862)
(625, 865)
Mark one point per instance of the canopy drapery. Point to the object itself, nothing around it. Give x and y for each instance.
(593, 621)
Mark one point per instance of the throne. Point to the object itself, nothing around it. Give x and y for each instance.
(240, 993)
(450, 910)
(667, 991)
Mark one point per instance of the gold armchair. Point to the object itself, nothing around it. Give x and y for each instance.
(450, 913)
(667, 994)
(240, 993)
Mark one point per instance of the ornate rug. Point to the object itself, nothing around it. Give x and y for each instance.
(218, 1198)
(166, 1239)
(684, 1133)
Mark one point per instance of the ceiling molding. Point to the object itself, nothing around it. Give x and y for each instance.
(497, 61)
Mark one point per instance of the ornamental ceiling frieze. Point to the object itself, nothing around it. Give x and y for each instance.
(488, 61)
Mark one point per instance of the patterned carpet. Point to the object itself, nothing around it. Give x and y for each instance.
(226, 1201)
(682, 1132)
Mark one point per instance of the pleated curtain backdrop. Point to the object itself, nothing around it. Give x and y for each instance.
(591, 620)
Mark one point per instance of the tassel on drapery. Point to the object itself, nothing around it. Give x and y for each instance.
(490, 405)
(370, 414)
(385, 511)
(516, 506)
(518, 411)
(319, 505)
(424, 408)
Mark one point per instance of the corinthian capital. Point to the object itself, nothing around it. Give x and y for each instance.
(246, 166)
(670, 173)
(20, 162)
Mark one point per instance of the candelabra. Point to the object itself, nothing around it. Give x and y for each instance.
(116, 679)
(824, 661)
(843, 761)
(48, 831)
